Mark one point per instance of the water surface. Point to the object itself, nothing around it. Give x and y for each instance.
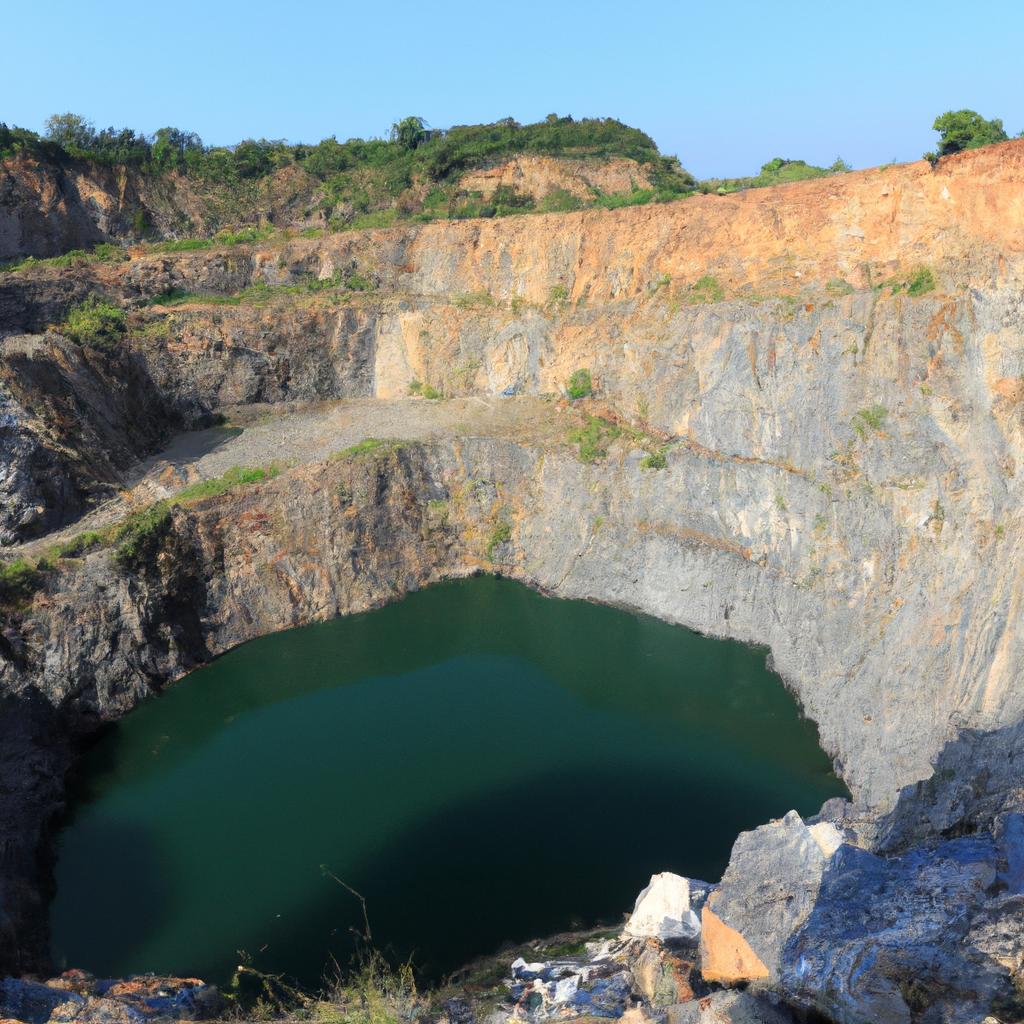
(482, 763)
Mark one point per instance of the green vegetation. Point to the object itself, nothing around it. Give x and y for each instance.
(77, 546)
(705, 290)
(413, 174)
(838, 287)
(501, 534)
(579, 385)
(871, 418)
(655, 460)
(560, 200)
(594, 437)
(96, 323)
(19, 580)
(366, 447)
(139, 535)
(237, 476)
(105, 252)
(920, 282)
(964, 129)
(778, 171)
(473, 300)
(425, 390)
(558, 294)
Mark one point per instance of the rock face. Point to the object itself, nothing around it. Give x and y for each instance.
(834, 369)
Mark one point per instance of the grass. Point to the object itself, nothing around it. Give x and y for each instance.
(95, 323)
(501, 534)
(920, 282)
(105, 252)
(917, 283)
(140, 533)
(655, 460)
(579, 385)
(237, 476)
(705, 290)
(473, 300)
(366, 447)
(838, 287)
(593, 438)
(871, 418)
(19, 580)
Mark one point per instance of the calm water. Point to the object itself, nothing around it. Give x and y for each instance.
(483, 764)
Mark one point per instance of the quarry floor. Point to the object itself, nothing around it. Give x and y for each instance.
(299, 433)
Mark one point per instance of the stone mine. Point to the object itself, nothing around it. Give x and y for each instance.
(801, 426)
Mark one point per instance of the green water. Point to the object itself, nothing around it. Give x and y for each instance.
(482, 763)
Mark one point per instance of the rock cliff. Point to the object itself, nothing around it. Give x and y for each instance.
(831, 371)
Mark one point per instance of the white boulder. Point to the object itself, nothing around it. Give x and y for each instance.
(662, 910)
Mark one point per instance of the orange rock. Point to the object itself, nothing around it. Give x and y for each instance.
(726, 956)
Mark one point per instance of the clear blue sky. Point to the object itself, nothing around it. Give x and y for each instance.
(724, 86)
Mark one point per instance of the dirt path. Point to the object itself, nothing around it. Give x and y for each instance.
(297, 434)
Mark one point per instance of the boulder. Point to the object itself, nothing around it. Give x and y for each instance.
(31, 1001)
(768, 891)
(729, 1008)
(660, 978)
(662, 910)
(725, 955)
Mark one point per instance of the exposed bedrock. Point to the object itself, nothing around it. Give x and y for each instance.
(842, 479)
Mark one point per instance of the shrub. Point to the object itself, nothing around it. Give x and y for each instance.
(141, 533)
(77, 545)
(558, 294)
(579, 385)
(705, 290)
(594, 437)
(560, 200)
(654, 460)
(838, 287)
(871, 418)
(96, 323)
(19, 580)
(920, 282)
(501, 534)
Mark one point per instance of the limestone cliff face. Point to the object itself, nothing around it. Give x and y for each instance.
(836, 366)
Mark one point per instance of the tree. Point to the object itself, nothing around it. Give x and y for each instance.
(171, 144)
(410, 132)
(70, 130)
(966, 129)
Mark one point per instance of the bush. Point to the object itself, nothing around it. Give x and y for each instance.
(705, 290)
(96, 323)
(579, 385)
(966, 129)
(141, 533)
(501, 534)
(920, 282)
(594, 437)
(871, 418)
(19, 580)
(560, 200)
(654, 460)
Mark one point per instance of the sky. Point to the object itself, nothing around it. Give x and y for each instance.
(724, 87)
